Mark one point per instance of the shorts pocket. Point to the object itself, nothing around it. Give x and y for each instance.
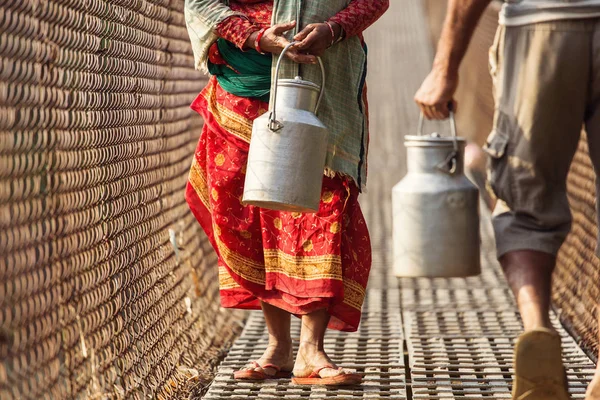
(498, 170)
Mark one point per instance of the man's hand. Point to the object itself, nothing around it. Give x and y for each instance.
(274, 42)
(436, 93)
(316, 38)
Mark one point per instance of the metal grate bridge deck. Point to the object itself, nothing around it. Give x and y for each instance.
(419, 338)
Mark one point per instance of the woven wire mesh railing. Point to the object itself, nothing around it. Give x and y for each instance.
(577, 277)
(106, 285)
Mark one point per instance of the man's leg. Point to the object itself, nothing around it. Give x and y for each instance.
(541, 77)
(593, 392)
(593, 135)
(538, 357)
(593, 131)
(529, 274)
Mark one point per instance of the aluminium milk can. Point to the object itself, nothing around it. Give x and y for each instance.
(436, 210)
(288, 148)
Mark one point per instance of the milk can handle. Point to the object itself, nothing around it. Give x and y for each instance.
(275, 125)
(452, 159)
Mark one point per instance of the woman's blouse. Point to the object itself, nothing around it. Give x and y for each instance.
(354, 19)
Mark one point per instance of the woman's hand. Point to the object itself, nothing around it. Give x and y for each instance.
(316, 38)
(274, 42)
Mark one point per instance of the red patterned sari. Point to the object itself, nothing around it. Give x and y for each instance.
(297, 262)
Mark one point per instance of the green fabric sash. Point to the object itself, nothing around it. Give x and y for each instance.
(254, 77)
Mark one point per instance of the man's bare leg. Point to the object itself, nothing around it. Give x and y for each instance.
(529, 274)
(593, 392)
(539, 371)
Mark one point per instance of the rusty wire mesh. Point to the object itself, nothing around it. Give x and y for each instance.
(577, 278)
(106, 285)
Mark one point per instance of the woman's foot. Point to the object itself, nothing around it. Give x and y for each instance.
(313, 366)
(279, 352)
(310, 358)
(279, 355)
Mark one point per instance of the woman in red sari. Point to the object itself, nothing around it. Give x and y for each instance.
(315, 266)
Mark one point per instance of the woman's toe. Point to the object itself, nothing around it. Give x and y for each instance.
(251, 367)
(301, 372)
(331, 372)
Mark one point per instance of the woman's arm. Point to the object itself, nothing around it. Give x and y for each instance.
(237, 30)
(359, 15)
(208, 12)
(204, 16)
(201, 19)
(244, 34)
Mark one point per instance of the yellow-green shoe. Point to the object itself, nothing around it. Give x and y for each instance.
(539, 370)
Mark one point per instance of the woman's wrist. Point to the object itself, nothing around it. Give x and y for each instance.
(336, 31)
(257, 40)
(236, 29)
(251, 40)
(254, 39)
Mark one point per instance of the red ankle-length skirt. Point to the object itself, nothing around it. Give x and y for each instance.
(299, 262)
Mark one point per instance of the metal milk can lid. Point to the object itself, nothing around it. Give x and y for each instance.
(299, 83)
(433, 140)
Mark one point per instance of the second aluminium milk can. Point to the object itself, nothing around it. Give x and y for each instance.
(436, 210)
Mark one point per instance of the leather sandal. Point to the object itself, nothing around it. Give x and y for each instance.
(253, 375)
(341, 379)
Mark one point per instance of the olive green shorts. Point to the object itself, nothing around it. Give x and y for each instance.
(546, 88)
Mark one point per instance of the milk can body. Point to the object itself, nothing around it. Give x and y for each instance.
(285, 169)
(288, 149)
(436, 212)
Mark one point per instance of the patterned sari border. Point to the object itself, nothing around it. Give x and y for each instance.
(303, 268)
(225, 280)
(244, 267)
(229, 120)
(354, 294)
(303, 259)
(197, 179)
